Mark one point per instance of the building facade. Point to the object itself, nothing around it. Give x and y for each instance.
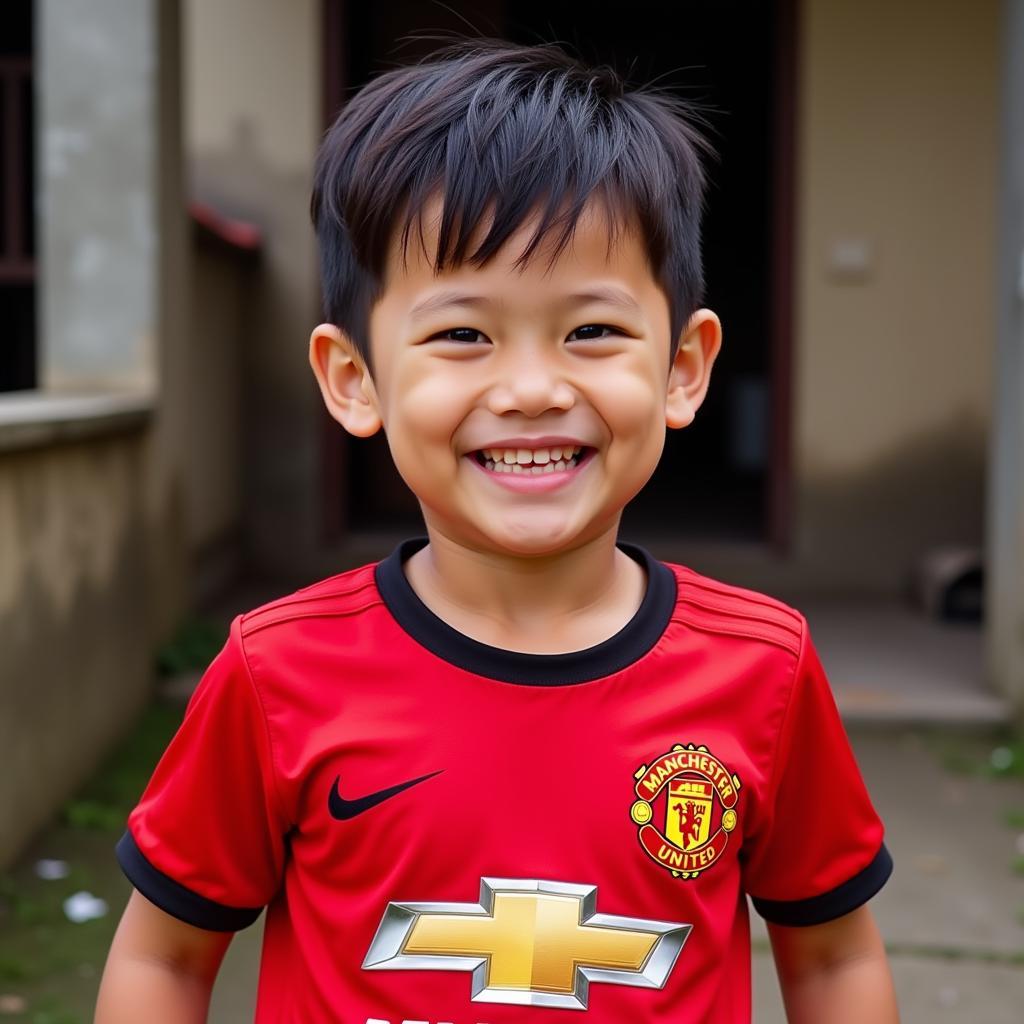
(160, 431)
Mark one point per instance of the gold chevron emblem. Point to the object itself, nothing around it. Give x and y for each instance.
(529, 943)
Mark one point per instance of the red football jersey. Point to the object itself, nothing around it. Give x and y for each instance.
(444, 831)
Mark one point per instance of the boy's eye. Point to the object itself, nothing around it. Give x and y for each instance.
(593, 332)
(471, 336)
(464, 335)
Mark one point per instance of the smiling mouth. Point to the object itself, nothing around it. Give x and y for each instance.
(523, 461)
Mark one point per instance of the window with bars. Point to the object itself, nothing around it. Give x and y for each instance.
(17, 189)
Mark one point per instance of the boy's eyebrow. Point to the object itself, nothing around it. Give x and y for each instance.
(610, 294)
(441, 300)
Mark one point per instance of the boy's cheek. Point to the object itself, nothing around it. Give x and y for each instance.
(422, 409)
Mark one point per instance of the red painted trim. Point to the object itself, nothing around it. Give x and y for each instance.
(238, 234)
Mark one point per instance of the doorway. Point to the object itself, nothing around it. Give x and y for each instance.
(726, 476)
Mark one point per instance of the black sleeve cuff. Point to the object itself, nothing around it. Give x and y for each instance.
(173, 898)
(829, 905)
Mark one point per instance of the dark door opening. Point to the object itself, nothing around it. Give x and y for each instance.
(715, 479)
(17, 221)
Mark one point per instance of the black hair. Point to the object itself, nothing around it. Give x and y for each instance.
(504, 131)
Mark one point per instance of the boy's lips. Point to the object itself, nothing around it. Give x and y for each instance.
(530, 482)
(532, 443)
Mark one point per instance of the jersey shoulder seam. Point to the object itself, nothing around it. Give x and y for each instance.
(294, 615)
(345, 594)
(715, 607)
(746, 632)
(272, 746)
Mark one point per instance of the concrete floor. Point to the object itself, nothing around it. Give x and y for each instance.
(887, 662)
(953, 911)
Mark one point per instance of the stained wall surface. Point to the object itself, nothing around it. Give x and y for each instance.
(252, 124)
(899, 135)
(75, 651)
(93, 553)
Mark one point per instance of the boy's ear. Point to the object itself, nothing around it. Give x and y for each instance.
(344, 381)
(690, 371)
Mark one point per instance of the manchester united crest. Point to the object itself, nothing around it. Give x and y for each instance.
(695, 795)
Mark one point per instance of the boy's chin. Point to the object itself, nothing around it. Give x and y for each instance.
(535, 538)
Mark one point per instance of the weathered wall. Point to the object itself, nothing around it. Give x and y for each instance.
(75, 650)
(166, 451)
(93, 553)
(252, 126)
(221, 286)
(97, 139)
(112, 284)
(898, 136)
(1005, 537)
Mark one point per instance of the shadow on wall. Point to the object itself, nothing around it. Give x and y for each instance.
(869, 528)
(279, 420)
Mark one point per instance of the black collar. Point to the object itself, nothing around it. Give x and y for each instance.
(628, 645)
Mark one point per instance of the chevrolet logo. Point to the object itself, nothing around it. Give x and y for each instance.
(527, 942)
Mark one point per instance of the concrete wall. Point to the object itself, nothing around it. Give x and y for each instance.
(252, 126)
(75, 649)
(220, 283)
(898, 145)
(93, 549)
(97, 139)
(892, 362)
(1005, 548)
(113, 292)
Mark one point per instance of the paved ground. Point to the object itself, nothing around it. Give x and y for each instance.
(887, 662)
(953, 913)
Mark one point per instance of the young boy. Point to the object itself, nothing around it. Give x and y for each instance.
(515, 768)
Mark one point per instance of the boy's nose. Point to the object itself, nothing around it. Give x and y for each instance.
(530, 387)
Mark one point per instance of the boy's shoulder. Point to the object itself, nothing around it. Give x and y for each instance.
(347, 593)
(714, 606)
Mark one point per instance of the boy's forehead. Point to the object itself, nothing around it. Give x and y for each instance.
(599, 244)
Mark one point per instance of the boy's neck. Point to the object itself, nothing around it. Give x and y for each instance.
(551, 605)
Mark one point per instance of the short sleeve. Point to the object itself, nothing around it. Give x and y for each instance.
(818, 851)
(206, 842)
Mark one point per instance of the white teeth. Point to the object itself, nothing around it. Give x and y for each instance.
(520, 460)
(526, 457)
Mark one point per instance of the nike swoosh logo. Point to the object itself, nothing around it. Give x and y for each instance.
(344, 810)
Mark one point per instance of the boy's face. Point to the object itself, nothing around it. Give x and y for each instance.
(476, 363)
